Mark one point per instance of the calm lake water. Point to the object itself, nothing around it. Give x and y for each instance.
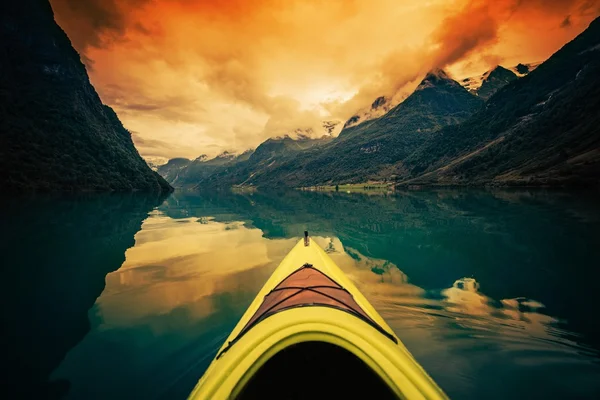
(496, 293)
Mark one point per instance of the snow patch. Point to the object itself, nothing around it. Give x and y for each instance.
(473, 83)
(228, 154)
(371, 149)
(552, 93)
(324, 128)
(435, 77)
(593, 48)
(379, 107)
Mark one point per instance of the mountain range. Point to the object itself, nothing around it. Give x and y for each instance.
(532, 124)
(367, 148)
(55, 133)
(538, 130)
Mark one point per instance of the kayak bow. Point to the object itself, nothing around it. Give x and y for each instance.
(310, 333)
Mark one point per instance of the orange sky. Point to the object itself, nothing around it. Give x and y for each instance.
(192, 77)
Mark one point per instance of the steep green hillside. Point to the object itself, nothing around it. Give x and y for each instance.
(266, 162)
(541, 129)
(55, 133)
(488, 83)
(373, 149)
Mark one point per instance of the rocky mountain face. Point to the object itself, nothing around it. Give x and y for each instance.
(523, 69)
(497, 79)
(263, 162)
(170, 171)
(275, 147)
(55, 133)
(541, 129)
(379, 107)
(488, 83)
(370, 150)
(374, 149)
(184, 173)
(231, 167)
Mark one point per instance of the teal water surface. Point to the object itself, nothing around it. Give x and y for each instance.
(494, 292)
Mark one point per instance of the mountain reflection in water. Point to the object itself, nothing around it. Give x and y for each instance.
(56, 251)
(492, 292)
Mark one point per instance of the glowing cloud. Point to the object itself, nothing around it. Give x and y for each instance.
(198, 77)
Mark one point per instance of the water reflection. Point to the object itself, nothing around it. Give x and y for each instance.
(56, 251)
(186, 264)
(515, 242)
(474, 283)
(165, 312)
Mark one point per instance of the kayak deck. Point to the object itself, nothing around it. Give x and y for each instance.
(307, 286)
(308, 318)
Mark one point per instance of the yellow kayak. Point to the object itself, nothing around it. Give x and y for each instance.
(310, 333)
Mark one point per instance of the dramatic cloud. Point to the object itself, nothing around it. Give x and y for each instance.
(195, 77)
(97, 23)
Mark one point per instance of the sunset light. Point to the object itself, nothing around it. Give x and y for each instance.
(201, 75)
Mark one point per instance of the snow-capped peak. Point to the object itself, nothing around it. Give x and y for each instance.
(383, 104)
(437, 73)
(227, 154)
(317, 131)
(379, 107)
(473, 83)
(435, 77)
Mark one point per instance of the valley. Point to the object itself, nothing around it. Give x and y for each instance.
(528, 125)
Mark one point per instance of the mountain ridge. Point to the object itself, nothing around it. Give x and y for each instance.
(369, 149)
(537, 126)
(537, 130)
(56, 134)
(494, 79)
